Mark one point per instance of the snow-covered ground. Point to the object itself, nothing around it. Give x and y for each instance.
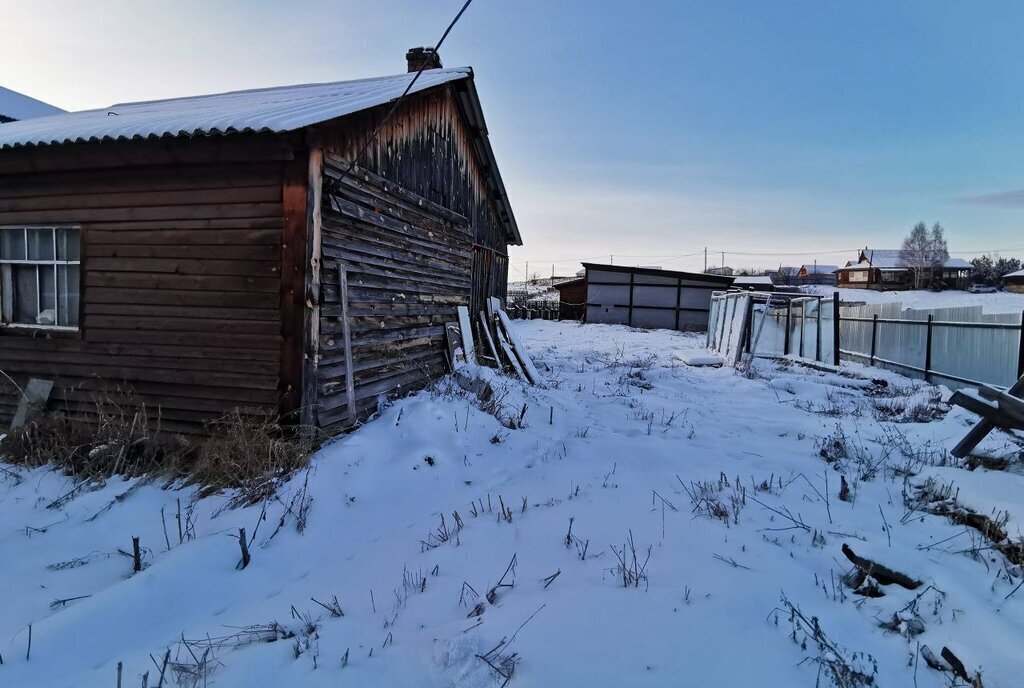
(407, 573)
(1000, 302)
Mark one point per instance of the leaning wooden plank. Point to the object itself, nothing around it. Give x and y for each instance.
(456, 354)
(493, 306)
(33, 400)
(520, 350)
(485, 326)
(982, 428)
(511, 356)
(466, 328)
(346, 338)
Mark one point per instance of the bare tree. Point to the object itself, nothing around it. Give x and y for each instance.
(923, 251)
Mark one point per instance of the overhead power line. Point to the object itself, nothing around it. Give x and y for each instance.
(398, 101)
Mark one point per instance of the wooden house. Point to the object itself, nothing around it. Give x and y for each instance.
(1014, 282)
(283, 250)
(879, 269)
(884, 269)
(649, 297)
(955, 273)
(812, 273)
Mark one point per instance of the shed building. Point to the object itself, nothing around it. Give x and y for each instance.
(644, 297)
(271, 250)
(572, 298)
(1014, 282)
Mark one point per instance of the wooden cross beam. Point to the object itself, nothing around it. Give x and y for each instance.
(997, 410)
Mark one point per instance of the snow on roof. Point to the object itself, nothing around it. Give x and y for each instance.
(884, 258)
(957, 263)
(1017, 273)
(820, 269)
(279, 109)
(753, 279)
(18, 106)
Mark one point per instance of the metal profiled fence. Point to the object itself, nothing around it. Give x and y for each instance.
(952, 346)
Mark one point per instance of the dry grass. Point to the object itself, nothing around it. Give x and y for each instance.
(251, 453)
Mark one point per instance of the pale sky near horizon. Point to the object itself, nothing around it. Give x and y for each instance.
(779, 132)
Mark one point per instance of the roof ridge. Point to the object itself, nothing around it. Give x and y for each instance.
(268, 89)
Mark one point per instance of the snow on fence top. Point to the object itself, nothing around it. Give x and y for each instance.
(280, 109)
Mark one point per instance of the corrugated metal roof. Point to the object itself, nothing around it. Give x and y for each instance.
(280, 109)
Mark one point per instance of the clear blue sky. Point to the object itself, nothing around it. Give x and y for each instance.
(646, 130)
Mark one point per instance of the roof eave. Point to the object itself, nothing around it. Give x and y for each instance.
(469, 101)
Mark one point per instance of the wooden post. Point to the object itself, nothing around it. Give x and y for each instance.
(928, 350)
(346, 337)
(311, 312)
(1020, 349)
(789, 319)
(293, 287)
(244, 546)
(803, 323)
(817, 341)
(136, 555)
(749, 327)
(835, 329)
(874, 337)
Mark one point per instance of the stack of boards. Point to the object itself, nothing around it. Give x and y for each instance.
(496, 328)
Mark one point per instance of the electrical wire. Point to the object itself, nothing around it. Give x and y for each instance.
(398, 101)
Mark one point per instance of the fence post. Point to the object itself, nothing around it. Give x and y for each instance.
(874, 337)
(803, 325)
(928, 350)
(835, 328)
(789, 315)
(1020, 349)
(817, 335)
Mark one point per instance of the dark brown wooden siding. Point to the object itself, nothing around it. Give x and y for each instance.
(407, 263)
(182, 290)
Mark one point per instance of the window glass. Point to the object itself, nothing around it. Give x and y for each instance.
(67, 244)
(12, 244)
(26, 301)
(39, 276)
(40, 244)
(67, 290)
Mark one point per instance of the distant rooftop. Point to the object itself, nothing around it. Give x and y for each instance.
(17, 106)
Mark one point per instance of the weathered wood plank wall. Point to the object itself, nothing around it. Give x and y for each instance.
(418, 232)
(181, 277)
(408, 264)
(428, 149)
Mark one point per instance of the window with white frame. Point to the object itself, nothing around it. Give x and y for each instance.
(39, 276)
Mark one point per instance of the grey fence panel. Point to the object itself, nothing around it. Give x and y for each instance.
(953, 346)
